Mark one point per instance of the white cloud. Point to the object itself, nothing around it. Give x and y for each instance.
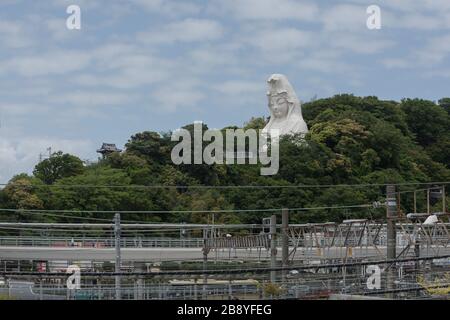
(21, 155)
(444, 73)
(281, 39)
(117, 65)
(392, 63)
(434, 51)
(125, 67)
(84, 4)
(318, 82)
(409, 6)
(59, 31)
(272, 44)
(238, 87)
(14, 35)
(170, 100)
(345, 17)
(359, 44)
(213, 56)
(21, 109)
(326, 61)
(417, 21)
(188, 30)
(413, 14)
(90, 98)
(9, 2)
(169, 7)
(176, 94)
(108, 53)
(266, 9)
(50, 63)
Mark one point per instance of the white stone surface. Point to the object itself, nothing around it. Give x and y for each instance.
(285, 107)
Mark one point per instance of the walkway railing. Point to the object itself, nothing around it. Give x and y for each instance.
(101, 242)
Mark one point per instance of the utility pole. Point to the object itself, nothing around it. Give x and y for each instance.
(391, 215)
(273, 247)
(118, 259)
(428, 200)
(444, 207)
(284, 240)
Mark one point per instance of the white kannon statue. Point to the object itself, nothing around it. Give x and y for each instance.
(285, 108)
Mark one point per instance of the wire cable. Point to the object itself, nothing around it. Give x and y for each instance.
(362, 185)
(182, 211)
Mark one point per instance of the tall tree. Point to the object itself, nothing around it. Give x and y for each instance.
(445, 103)
(58, 166)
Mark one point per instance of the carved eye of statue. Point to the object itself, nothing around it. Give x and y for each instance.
(281, 100)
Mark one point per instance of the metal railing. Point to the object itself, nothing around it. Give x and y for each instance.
(101, 242)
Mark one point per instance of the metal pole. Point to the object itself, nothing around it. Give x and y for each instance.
(444, 208)
(284, 240)
(391, 213)
(417, 255)
(41, 296)
(205, 277)
(195, 290)
(205, 263)
(415, 202)
(117, 247)
(428, 200)
(273, 247)
(140, 281)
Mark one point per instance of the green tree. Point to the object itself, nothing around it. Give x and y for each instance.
(21, 193)
(351, 140)
(445, 103)
(256, 123)
(426, 120)
(154, 147)
(58, 166)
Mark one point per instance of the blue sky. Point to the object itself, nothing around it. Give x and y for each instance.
(157, 65)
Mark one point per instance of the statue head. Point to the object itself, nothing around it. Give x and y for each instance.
(282, 98)
(285, 107)
(279, 105)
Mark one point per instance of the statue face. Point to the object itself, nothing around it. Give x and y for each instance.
(279, 107)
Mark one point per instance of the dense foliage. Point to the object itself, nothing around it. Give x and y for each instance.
(352, 140)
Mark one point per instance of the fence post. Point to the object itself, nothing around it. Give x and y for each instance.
(391, 215)
(118, 258)
(273, 247)
(284, 240)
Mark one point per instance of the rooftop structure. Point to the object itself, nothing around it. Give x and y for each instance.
(108, 148)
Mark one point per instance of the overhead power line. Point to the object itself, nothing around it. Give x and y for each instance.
(32, 211)
(301, 186)
(46, 213)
